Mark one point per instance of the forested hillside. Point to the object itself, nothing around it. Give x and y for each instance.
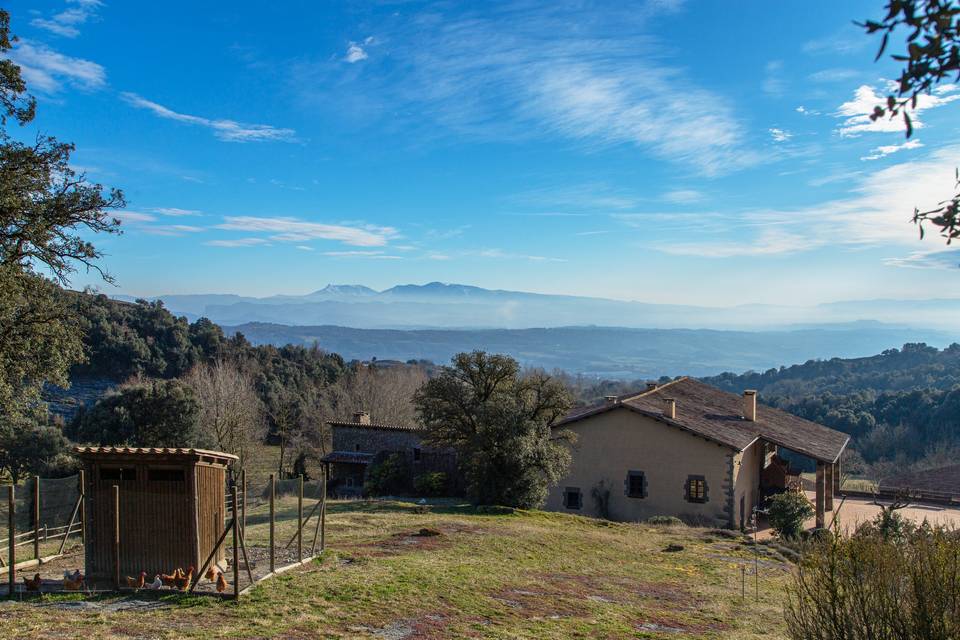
(902, 407)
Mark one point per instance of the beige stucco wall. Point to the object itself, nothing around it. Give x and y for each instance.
(611, 444)
(746, 470)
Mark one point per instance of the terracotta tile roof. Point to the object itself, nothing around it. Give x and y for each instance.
(153, 451)
(354, 457)
(718, 416)
(360, 425)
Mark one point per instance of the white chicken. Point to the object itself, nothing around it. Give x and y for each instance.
(156, 584)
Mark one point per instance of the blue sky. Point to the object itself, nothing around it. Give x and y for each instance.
(665, 151)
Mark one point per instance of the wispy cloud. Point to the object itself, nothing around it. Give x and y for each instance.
(935, 259)
(774, 83)
(48, 71)
(536, 69)
(683, 196)
(780, 135)
(172, 229)
(373, 255)
(834, 75)
(804, 111)
(856, 112)
(506, 255)
(176, 212)
(355, 51)
(885, 150)
(66, 23)
(226, 130)
(295, 230)
(876, 213)
(238, 242)
(133, 216)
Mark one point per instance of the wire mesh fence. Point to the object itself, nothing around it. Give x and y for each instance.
(41, 518)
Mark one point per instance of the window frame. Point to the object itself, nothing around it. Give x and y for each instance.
(688, 489)
(628, 485)
(567, 492)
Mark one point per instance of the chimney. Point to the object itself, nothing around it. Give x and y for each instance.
(361, 417)
(670, 410)
(750, 405)
(610, 399)
(651, 386)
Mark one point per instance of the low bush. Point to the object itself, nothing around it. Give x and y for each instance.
(390, 476)
(666, 521)
(787, 511)
(432, 484)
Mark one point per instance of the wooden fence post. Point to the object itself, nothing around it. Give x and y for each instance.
(236, 544)
(243, 502)
(12, 532)
(273, 497)
(116, 535)
(36, 517)
(300, 520)
(83, 508)
(323, 509)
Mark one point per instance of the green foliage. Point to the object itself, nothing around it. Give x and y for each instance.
(787, 511)
(158, 413)
(868, 587)
(901, 404)
(389, 476)
(932, 55)
(47, 212)
(28, 448)
(432, 483)
(499, 423)
(666, 521)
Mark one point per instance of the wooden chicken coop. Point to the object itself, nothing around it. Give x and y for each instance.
(172, 508)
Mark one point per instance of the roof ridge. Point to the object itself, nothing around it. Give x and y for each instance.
(652, 390)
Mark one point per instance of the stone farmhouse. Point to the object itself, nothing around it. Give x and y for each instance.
(689, 450)
(357, 444)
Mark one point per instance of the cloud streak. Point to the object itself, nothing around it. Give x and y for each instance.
(47, 71)
(223, 129)
(66, 23)
(856, 112)
(294, 230)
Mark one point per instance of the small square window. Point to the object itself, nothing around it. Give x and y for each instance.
(696, 489)
(636, 484)
(572, 498)
(356, 447)
(416, 454)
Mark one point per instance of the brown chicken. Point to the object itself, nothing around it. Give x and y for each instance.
(70, 584)
(171, 579)
(137, 583)
(32, 585)
(221, 582)
(211, 574)
(184, 582)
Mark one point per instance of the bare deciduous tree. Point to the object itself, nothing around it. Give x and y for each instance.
(231, 413)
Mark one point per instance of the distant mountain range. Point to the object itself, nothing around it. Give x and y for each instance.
(610, 352)
(439, 305)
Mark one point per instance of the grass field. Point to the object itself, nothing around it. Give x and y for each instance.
(514, 575)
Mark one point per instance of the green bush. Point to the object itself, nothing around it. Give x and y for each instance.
(433, 483)
(869, 586)
(786, 512)
(389, 476)
(666, 521)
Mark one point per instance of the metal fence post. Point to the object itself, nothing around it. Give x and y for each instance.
(273, 497)
(36, 517)
(12, 541)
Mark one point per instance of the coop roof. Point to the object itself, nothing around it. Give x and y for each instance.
(155, 453)
(348, 457)
(718, 416)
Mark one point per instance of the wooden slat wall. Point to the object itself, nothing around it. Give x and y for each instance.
(156, 524)
(211, 497)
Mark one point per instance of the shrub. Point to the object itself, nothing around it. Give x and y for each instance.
(388, 476)
(433, 483)
(869, 586)
(786, 512)
(666, 521)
